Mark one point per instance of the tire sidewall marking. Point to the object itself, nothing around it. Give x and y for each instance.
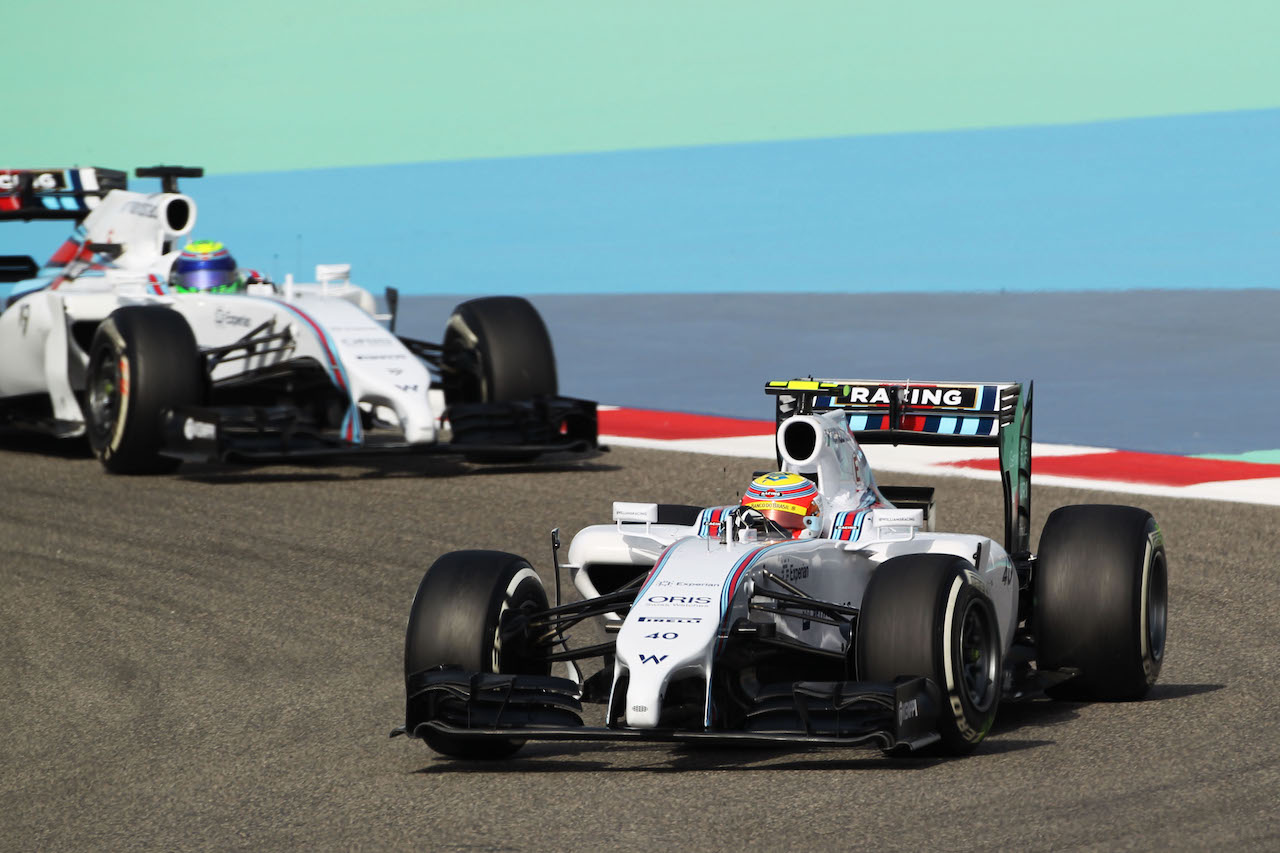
(514, 584)
(459, 324)
(126, 391)
(948, 665)
(125, 381)
(109, 329)
(1143, 619)
(1153, 542)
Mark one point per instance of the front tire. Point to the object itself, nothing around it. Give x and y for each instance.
(497, 349)
(1101, 600)
(456, 619)
(142, 361)
(921, 616)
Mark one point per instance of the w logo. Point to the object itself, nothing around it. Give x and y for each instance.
(652, 658)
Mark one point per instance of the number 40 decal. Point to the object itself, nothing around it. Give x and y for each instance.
(669, 635)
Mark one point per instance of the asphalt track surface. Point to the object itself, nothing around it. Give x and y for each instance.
(214, 661)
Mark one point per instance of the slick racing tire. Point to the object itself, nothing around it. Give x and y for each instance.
(142, 361)
(922, 616)
(497, 349)
(455, 620)
(1101, 601)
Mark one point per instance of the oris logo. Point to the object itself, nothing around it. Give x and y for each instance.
(681, 600)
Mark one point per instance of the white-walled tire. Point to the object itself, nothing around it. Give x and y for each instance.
(1101, 600)
(921, 615)
(497, 349)
(456, 619)
(142, 361)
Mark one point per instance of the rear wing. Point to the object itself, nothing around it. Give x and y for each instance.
(69, 194)
(963, 414)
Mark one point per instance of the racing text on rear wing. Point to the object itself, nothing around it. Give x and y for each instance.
(881, 411)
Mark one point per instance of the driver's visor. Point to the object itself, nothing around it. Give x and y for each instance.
(789, 515)
(207, 280)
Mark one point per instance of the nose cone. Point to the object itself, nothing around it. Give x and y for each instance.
(417, 419)
(644, 703)
(672, 626)
(651, 672)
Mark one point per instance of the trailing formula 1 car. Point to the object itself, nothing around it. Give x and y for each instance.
(821, 609)
(161, 354)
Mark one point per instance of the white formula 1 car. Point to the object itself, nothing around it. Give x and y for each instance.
(98, 342)
(864, 625)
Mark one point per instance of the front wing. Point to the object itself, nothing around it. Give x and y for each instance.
(492, 432)
(457, 702)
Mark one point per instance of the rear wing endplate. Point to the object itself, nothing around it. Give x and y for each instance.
(963, 414)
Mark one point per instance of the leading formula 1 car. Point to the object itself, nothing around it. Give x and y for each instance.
(98, 342)
(823, 609)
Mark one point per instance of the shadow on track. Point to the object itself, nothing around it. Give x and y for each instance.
(546, 758)
(20, 441)
(1163, 692)
(1049, 713)
(1040, 713)
(353, 468)
(326, 470)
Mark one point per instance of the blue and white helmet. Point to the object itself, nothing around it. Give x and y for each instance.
(205, 266)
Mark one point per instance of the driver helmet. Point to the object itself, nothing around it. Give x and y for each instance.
(784, 498)
(205, 266)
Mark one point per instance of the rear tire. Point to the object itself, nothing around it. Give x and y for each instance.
(143, 360)
(455, 620)
(497, 349)
(921, 616)
(1101, 600)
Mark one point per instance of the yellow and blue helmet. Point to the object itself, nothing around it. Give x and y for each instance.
(205, 266)
(784, 498)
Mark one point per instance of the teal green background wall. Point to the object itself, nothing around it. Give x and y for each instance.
(598, 146)
(618, 151)
(246, 85)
